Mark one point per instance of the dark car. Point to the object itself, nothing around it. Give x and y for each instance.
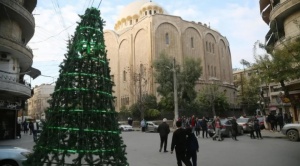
(226, 130)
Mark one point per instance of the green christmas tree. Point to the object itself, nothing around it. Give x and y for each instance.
(81, 126)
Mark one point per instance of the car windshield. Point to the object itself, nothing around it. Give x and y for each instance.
(223, 121)
(242, 120)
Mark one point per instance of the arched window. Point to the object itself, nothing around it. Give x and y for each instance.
(212, 70)
(124, 75)
(167, 39)
(192, 42)
(208, 70)
(130, 22)
(215, 72)
(150, 12)
(154, 11)
(209, 47)
(145, 13)
(206, 46)
(213, 48)
(137, 20)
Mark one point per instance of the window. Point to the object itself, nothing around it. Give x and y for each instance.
(150, 12)
(130, 22)
(124, 75)
(192, 42)
(145, 13)
(208, 70)
(206, 46)
(137, 20)
(154, 11)
(167, 38)
(209, 47)
(215, 72)
(212, 71)
(213, 48)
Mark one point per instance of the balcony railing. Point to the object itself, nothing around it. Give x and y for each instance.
(17, 6)
(12, 39)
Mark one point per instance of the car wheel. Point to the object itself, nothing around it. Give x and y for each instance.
(8, 163)
(293, 135)
(242, 131)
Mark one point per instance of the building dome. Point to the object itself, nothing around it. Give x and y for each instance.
(135, 10)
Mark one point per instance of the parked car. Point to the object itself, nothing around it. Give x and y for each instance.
(125, 127)
(292, 131)
(226, 130)
(244, 123)
(13, 156)
(151, 126)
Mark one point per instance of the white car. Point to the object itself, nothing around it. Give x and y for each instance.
(13, 156)
(151, 126)
(292, 131)
(125, 127)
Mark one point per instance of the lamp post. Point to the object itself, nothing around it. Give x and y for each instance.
(175, 93)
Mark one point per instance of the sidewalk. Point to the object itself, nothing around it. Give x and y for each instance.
(271, 134)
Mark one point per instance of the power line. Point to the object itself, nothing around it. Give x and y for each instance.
(99, 4)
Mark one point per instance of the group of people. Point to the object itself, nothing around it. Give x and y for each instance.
(184, 142)
(32, 126)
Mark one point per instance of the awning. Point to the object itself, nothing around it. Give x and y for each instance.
(33, 72)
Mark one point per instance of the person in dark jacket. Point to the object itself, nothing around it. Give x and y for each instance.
(192, 147)
(204, 127)
(163, 130)
(179, 144)
(234, 128)
(257, 128)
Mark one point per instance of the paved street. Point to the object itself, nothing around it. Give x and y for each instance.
(142, 149)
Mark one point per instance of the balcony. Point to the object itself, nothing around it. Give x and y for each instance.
(9, 85)
(17, 50)
(17, 12)
(283, 10)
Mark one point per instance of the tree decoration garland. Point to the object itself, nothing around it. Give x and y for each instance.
(81, 126)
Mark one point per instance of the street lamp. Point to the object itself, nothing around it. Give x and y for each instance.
(175, 93)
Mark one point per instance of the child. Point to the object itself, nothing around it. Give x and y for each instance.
(192, 146)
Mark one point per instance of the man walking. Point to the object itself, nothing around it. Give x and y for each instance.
(163, 130)
(179, 143)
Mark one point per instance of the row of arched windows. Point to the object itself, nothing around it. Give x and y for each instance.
(212, 71)
(210, 47)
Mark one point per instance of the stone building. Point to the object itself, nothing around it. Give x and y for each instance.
(16, 29)
(38, 103)
(143, 31)
(283, 18)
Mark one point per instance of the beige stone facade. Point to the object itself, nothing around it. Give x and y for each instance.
(144, 31)
(283, 17)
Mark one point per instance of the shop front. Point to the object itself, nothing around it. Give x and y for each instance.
(8, 119)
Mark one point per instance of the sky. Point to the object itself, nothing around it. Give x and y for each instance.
(238, 20)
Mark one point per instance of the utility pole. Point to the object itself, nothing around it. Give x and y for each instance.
(175, 93)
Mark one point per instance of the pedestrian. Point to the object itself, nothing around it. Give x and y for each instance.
(234, 128)
(251, 129)
(193, 123)
(204, 127)
(25, 127)
(35, 130)
(280, 121)
(163, 130)
(192, 147)
(179, 144)
(30, 127)
(143, 125)
(257, 128)
(218, 127)
(198, 127)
